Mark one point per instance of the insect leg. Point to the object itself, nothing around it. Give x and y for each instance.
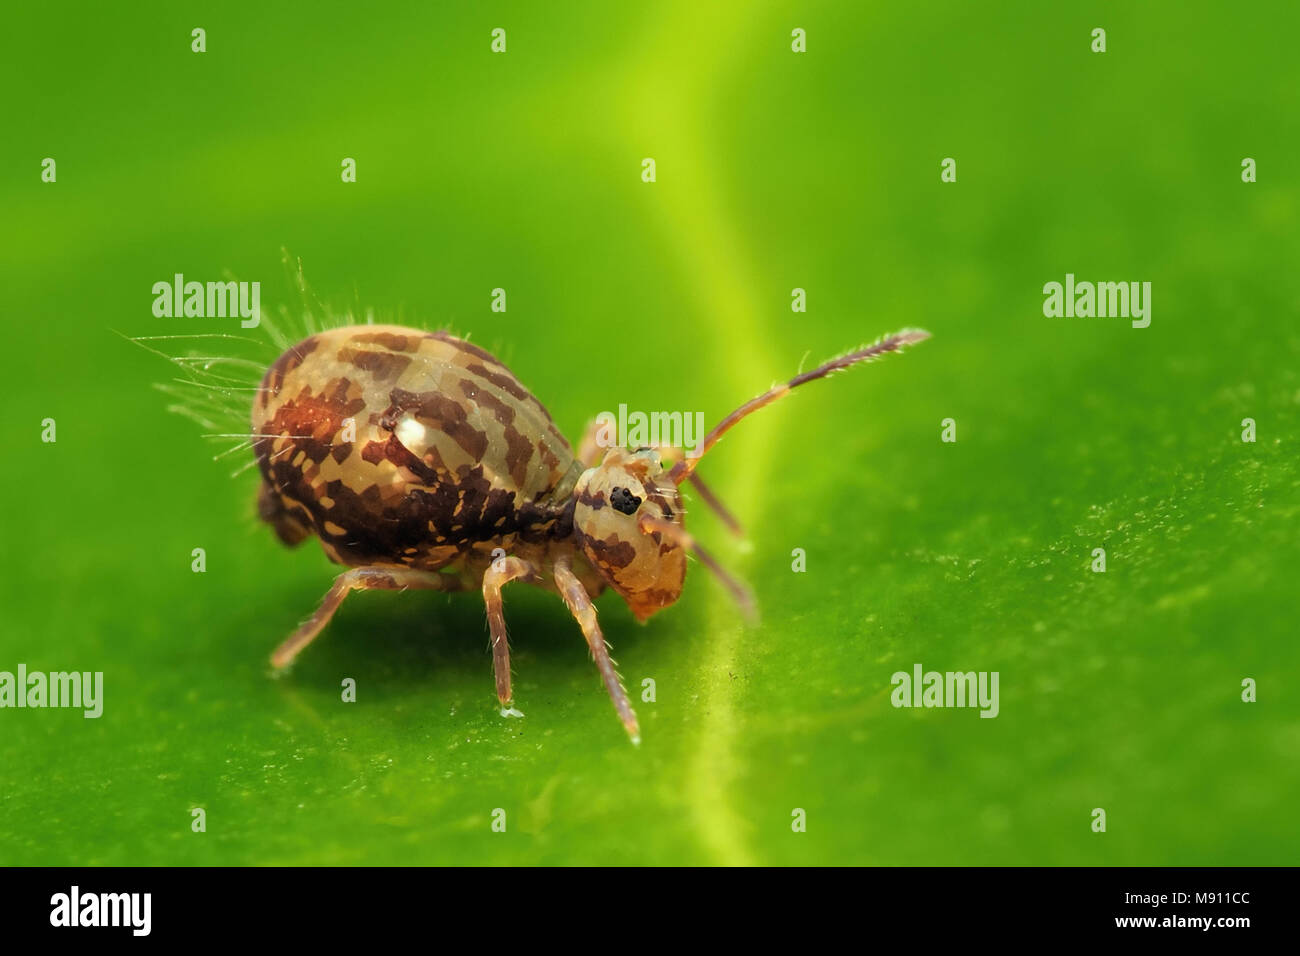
(589, 450)
(357, 579)
(501, 571)
(579, 602)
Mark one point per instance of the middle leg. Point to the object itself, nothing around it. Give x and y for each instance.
(501, 572)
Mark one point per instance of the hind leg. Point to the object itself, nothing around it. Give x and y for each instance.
(358, 579)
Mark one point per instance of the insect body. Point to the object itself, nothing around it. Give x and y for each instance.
(419, 461)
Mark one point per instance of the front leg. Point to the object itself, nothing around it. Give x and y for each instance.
(500, 572)
(579, 602)
(357, 579)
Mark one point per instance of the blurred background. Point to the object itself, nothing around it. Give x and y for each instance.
(775, 170)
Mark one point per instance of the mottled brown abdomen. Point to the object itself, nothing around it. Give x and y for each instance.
(397, 446)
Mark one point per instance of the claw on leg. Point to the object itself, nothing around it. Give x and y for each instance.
(502, 571)
(580, 606)
(356, 579)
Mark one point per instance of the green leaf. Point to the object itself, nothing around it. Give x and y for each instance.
(1119, 690)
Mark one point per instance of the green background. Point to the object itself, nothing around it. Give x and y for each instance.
(775, 170)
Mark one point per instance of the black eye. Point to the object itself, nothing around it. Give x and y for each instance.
(624, 501)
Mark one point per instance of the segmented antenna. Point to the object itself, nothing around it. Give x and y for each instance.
(893, 343)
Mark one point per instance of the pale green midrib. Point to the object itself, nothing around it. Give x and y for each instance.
(698, 229)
